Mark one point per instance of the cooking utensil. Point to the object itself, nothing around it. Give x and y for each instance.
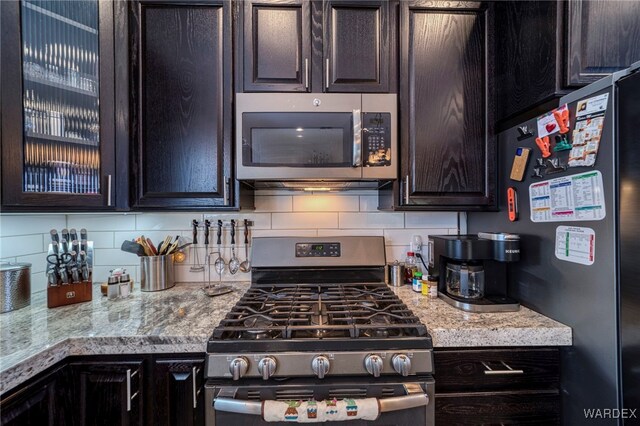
(234, 262)
(152, 247)
(219, 263)
(246, 265)
(131, 247)
(197, 267)
(207, 224)
(173, 246)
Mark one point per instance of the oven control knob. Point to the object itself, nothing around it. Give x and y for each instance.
(402, 364)
(266, 367)
(238, 367)
(320, 366)
(373, 364)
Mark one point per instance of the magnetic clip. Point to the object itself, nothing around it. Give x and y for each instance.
(539, 168)
(562, 143)
(524, 133)
(544, 145)
(554, 165)
(562, 117)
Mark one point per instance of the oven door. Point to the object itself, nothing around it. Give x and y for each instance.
(286, 136)
(400, 403)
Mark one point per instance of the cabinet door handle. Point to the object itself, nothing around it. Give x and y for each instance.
(306, 74)
(509, 371)
(129, 396)
(406, 189)
(225, 190)
(195, 393)
(327, 75)
(109, 190)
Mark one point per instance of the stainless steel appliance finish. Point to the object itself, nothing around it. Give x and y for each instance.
(15, 286)
(600, 302)
(317, 323)
(316, 137)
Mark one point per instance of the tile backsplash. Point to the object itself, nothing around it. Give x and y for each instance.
(25, 237)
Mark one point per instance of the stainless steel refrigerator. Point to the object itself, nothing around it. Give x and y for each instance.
(582, 267)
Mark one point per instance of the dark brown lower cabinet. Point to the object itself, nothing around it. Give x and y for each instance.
(110, 392)
(178, 391)
(497, 386)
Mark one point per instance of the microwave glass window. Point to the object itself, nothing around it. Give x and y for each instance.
(297, 139)
(298, 147)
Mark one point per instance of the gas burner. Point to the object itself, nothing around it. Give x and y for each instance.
(258, 328)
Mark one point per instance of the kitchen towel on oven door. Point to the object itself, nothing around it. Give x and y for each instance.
(330, 410)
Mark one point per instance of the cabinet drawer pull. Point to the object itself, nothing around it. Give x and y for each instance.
(128, 389)
(406, 190)
(509, 371)
(327, 75)
(306, 74)
(109, 190)
(225, 190)
(195, 393)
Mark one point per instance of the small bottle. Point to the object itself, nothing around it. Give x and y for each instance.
(417, 282)
(425, 287)
(113, 287)
(433, 287)
(124, 285)
(410, 267)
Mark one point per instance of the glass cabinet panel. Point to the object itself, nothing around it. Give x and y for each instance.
(60, 61)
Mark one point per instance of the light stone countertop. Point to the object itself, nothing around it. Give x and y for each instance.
(182, 319)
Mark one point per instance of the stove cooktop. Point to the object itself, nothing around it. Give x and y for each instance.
(310, 317)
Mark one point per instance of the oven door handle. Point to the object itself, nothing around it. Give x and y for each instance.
(412, 400)
(357, 138)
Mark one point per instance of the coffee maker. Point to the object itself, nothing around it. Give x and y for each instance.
(472, 270)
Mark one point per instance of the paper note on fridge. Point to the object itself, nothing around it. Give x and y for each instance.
(575, 244)
(587, 133)
(568, 198)
(547, 123)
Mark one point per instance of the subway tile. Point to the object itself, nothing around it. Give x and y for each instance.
(401, 237)
(304, 220)
(326, 203)
(102, 240)
(371, 220)
(101, 222)
(463, 223)
(273, 203)
(38, 282)
(431, 220)
(183, 274)
(21, 245)
(8, 259)
(349, 232)
(38, 261)
(26, 224)
(398, 253)
(260, 220)
(165, 221)
(368, 203)
(115, 258)
(285, 233)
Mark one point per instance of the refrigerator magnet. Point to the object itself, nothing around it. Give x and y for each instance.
(575, 244)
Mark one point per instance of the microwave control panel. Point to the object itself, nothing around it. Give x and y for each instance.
(318, 250)
(376, 139)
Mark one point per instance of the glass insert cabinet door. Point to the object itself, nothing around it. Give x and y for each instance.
(60, 54)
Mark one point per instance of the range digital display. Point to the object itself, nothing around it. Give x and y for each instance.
(318, 250)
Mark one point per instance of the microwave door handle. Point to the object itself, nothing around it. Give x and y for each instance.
(357, 138)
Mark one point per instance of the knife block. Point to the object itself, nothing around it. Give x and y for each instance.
(68, 294)
(74, 292)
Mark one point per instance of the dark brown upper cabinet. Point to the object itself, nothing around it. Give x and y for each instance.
(356, 46)
(277, 46)
(446, 108)
(181, 102)
(313, 46)
(57, 106)
(602, 37)
(545, 49)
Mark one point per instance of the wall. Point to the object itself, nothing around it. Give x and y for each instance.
(278, 213)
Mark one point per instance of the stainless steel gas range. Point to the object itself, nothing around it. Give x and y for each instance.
(319, 327)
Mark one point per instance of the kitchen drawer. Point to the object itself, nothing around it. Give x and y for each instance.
(496, 369)
(498, 408)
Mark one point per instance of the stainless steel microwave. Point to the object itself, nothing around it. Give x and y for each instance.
(328, 137)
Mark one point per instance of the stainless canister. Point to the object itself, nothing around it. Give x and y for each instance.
(16, 286)
(396, 274)
(156, 273)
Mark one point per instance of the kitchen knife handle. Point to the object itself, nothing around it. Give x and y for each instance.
(83, 234)
(219, 232)
(233, 232)
(194, 224)
(54, 236)
(65, 234)
(73, 234)
(207, 224)
(246, 232)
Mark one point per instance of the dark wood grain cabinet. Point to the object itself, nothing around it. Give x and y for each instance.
(447, 98)
(57, 106)
(304, 46)
(497, 386)
(546, 49)
(178, 387)
(109, 392)
(181, 101)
